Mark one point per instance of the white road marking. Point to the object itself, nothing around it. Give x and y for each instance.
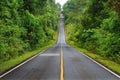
(101, 65)
(49, 54)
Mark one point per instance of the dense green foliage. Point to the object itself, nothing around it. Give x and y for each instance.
(26, 25)
(94, 25)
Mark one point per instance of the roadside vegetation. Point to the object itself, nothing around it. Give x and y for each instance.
(26, 27)
(94, 25)
(103, 60)
(7, 65)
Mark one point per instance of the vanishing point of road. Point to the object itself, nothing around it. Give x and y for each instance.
(60, 62)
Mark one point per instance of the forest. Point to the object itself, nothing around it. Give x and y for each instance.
(94, 25)
(26, 25)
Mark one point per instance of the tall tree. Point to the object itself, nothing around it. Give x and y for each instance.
(94, 25)
(23, 25)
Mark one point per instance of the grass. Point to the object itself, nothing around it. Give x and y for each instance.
(4, 66)
(103, 60)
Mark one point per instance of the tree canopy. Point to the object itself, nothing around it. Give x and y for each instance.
(26, 25)
(94, 25)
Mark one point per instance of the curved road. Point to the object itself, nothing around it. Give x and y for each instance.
(48, 65)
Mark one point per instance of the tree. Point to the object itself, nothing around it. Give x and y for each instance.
(25, 25)
(94, 25)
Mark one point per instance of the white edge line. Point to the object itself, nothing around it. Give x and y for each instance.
(20, 64)
(101, 65)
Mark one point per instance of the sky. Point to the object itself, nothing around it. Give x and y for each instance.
(62, 2)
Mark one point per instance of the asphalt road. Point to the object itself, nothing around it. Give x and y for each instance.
(47, 65)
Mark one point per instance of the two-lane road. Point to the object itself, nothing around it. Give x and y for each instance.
(49, 64)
